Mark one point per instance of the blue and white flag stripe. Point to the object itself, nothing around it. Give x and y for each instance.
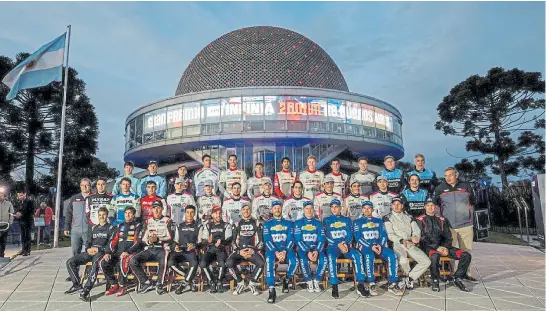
(41, 68)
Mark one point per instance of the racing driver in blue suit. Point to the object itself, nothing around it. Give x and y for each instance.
(371, 240)
(279, 241)
(339, 234)
(310, 241)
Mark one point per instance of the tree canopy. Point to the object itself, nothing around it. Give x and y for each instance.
(501, 114)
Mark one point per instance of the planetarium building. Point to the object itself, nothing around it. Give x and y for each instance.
(262, 93)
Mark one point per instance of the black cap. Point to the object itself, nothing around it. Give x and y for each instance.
(429, 200)
(396, 199)
(157, 203)
(152, 162)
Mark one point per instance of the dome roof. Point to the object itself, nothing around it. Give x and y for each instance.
(261, 56)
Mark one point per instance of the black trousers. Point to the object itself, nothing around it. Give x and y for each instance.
(25, 237)
(177, 258)
(121, 265)
(235, 258)
(3, 239)
(158, 254)
(210, 256)
(454, 253)
(73, 265)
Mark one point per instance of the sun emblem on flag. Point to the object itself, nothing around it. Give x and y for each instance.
(30, 64)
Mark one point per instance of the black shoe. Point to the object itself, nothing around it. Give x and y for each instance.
(212, 286)
(145, 287)
(160, 290)
(471, 279)
(25, 253)
(68, 279)
(73, 289)
(435, 285)
(459, 283)
(194, 287)
(180, 289)
(84, 295)
(220, 287)
(335, 292)
(272, 295)
(285, 285)
(363, 291)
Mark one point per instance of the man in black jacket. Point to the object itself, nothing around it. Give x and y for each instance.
(95, 251)
(436, 242)
(24, 213)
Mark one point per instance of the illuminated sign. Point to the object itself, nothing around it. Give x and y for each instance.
(281, 107)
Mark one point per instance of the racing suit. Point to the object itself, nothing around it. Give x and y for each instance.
(261, 206)
(247, 234)
(278, 237)
(352, 206)
(414, 201)
(177, 203)
(188, 186)
(436, 232)
(146, 206)
(92, 205)
(283, 182)
(199, 178)
(159, 181)
(98, 236)
(341, 182)
(127, 238)
(322, 203)
(309, 236)
(204, 206)
(120, 202)
(400, 228)
(255, 186)
(428, 179)
(185, 233)
(312, 182)
(369, 232)
(366, 180)
(338, 229)
(217, 231)
(228, 177)
(292, 208)
(231, 209)
(76, 222)
(396, 179)
(382, 203)
(135, 184)
(157, 251)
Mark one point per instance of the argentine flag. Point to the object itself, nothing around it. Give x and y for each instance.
(41, 68)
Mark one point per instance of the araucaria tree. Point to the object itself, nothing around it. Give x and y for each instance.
(501, 113)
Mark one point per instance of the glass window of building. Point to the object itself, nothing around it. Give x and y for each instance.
(337, 115)
(139, 130)
(231, 112)
(254, 109)
(210, 116)
(317, 112)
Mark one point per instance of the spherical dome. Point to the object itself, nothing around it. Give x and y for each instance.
(261, 56)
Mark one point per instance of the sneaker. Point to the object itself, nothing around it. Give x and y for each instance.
(435, 285)
(181, 287)
(272, 295)
(112, 290)
(220, 287)
(253, 286)
(316, 286)
(373, 289)
(160, 289)
(145, 287)
(459, 283)
(285, 285)
(73, 289)
(395, 289)
(68, 279)
(239, 288)
(213, 288)
(335, 292)
(362, 291)
(409, 283)
(121, 292)
(84, 295)
(310, 287)
(471, 279)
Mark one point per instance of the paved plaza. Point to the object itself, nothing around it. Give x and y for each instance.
(511, 278)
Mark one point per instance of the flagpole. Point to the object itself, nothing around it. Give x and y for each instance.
(61, 146)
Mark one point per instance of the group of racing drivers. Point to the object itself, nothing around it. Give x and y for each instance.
(294, 219)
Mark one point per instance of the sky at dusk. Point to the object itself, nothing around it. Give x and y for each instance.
(408, 54)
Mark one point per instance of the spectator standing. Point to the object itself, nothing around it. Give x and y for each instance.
(45, 212)
(6, 215)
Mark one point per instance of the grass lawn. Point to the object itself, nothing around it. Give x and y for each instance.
(503, 238)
